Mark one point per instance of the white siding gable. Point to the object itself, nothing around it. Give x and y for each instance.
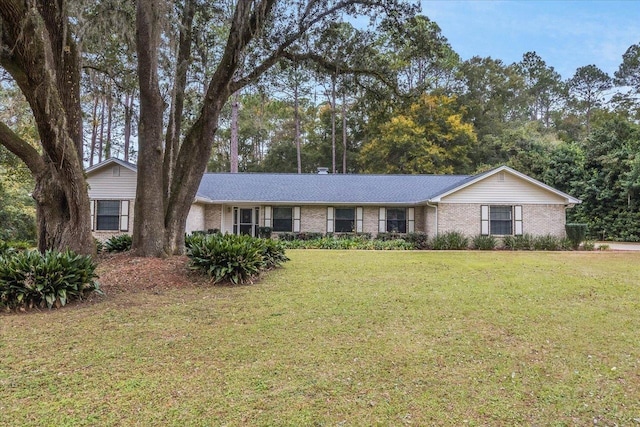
(110, 183)
(504, 187)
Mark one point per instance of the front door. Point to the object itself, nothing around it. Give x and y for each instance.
(245, 221)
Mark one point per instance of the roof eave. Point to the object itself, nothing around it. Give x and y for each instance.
(203, 199)
(109, 161)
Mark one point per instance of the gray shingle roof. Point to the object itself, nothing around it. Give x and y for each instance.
(326, 189)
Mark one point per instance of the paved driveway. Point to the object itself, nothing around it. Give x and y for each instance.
(621, 246)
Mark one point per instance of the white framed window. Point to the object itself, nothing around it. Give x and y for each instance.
(345, 220)
(110, 215)
(501, 220)
(396, 220)
(282, 219)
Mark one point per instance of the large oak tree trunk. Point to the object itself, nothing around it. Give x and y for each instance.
(148, 229)
(45, 65)
(159, 227)
(59, 225)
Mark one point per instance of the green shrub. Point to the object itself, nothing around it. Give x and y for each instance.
(120, 243)
(308, 235)
(419, 241)
(286, 237)
(192, 238)
(390, 245)
(19, 245)
(17, 225)
(359, 236)
(5, 248)
(451, 240)
(547, 242)
(237, 259)
(484, 243)
(518, 243)
(588, 245)
(566, 244)
(273, 253)
(31, 279)
(509, 242)
(385, 236)
(354, 242)
(416, 240)
(99, 245)
(576, 233)
(265, 232)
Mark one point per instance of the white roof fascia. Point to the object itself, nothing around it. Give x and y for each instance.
(200, 199)
(107, 162)
(568, 199)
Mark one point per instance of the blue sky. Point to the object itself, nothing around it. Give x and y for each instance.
(565, 34)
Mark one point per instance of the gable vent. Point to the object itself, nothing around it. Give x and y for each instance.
(501, 176)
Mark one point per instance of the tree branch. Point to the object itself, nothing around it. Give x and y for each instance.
(22, 149)
(111, 77)
(303, 27)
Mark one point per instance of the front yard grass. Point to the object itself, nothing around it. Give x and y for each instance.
(344, 338)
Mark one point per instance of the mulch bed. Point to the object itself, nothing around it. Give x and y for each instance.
(123, 272)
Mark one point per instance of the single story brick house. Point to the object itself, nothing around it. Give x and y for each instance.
(499, 202)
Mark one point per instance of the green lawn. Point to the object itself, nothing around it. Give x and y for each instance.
(344, 338)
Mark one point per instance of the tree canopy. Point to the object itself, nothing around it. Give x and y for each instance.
(313, 85)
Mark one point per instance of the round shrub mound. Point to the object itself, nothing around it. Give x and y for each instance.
(234, 259)
(31, 279)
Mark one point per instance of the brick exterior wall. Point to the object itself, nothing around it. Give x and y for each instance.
(370, 219)
(463, 218)
(195, 218)
(544, 219)
(213, 217)
(313, 219)
(536, 219)
(430, 221)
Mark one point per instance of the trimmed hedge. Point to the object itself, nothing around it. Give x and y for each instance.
(576, 233)
(30, 279)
